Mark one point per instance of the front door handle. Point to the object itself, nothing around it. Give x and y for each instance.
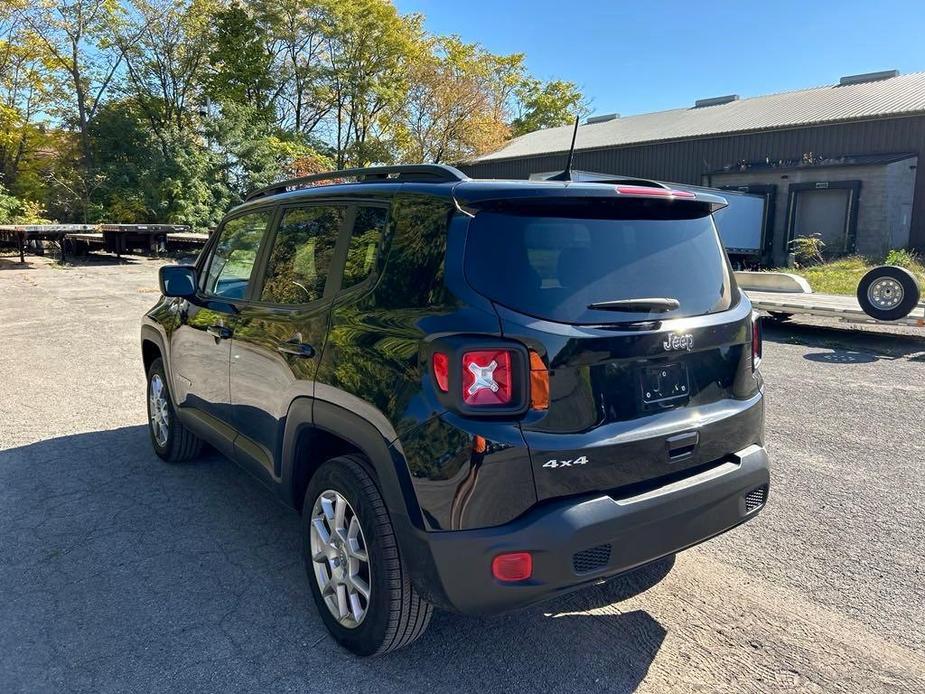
(219, 331)
(296, 348)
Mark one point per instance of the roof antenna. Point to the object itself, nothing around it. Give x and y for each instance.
(567, 174)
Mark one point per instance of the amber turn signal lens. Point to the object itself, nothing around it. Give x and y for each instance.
(539, 383)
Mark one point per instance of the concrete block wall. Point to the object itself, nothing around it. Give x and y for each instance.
(884, 191)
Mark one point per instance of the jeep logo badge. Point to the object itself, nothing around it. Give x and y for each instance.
(678, 342)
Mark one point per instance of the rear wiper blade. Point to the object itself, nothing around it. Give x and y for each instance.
(651, 304)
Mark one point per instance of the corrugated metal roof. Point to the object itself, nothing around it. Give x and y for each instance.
(904, 94)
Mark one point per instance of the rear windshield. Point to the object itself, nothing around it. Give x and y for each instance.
(556, 267)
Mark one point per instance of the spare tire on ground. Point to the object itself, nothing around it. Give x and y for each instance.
(888, 292)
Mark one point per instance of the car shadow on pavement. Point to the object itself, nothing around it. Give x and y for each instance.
(859, 343)
(841, 356)
(119, 572)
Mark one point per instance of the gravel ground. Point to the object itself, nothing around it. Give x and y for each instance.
(120, 573)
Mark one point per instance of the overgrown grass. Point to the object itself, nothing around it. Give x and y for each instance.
(842, 276)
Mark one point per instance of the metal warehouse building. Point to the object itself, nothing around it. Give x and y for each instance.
(838, 160)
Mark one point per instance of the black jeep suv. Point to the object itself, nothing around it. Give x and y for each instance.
(480, 394)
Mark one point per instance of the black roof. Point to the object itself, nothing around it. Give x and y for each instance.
(446, 181)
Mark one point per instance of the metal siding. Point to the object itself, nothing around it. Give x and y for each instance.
(683, 161)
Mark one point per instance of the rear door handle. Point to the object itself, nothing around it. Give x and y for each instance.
(296, 348)
(219, 331)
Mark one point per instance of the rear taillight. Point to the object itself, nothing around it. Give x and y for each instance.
(487, 376)
(441, 365)
(487, 379)
(756, 341)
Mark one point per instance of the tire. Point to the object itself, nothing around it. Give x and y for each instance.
(179, 444)
(395, 615)
(888, 292)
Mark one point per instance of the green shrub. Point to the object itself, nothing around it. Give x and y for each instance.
(903, 258)
(807, 250)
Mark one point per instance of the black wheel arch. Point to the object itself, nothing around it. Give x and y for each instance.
(152, 346)
(317, 430)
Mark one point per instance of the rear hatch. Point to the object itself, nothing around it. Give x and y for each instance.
(633, 308)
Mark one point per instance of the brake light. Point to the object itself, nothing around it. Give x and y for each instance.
(653, 192)
(486, 378)
(757, 343)
(514, 566)
(441, 366)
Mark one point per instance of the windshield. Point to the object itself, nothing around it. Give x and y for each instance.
(557, 267)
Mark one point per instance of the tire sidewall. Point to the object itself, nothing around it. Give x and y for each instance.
(368, 637)
(901, 275)
(157, 367)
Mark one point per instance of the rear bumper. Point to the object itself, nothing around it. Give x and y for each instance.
(637, 530)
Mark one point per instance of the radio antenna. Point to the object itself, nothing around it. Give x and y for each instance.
(567, 174)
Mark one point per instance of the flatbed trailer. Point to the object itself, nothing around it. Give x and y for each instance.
(149, 238)
(22, 234)
(115, 238)
(846, 308)
(783, 295)
(185, 240)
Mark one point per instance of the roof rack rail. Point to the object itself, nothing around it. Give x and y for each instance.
(429, 173)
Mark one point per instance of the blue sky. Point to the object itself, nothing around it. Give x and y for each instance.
(636, 57)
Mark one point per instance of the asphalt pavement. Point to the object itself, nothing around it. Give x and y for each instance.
(121, 573)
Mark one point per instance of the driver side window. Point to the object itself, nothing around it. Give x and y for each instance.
(234, 255)
(302, 254)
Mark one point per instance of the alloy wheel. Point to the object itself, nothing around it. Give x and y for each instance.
(158, 411)
(340, 558)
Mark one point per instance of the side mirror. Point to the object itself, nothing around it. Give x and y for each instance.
(177, 280)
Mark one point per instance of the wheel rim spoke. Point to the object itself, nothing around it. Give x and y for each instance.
(360, 586)
(340, 559)
(342, 601)
(158, 411)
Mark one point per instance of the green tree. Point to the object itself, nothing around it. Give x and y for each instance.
(547, 105)
(77, 38)
(371, 47)
(456, 103)
(298, 34)
(241, 66)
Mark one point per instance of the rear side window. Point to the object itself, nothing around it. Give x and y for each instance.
(556, 267)
(365, 243)
(235, 252)
(302, 253)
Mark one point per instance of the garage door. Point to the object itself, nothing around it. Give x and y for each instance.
(824, 212)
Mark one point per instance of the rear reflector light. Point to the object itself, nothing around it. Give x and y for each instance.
(757, 343)
(486, 378)
(441, 364)
(515, 566)
(539, 383)
(654, 192)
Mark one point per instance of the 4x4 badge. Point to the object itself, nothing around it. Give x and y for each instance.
(583, 460)
(674, 342)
